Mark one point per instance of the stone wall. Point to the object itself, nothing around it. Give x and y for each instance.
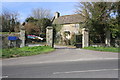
(5, 41)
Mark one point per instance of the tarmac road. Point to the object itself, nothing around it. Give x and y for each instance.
(78, 69)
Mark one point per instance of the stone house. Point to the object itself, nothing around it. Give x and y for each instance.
(73, 25)
(70, 26)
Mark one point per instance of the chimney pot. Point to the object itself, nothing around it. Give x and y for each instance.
(57, 14)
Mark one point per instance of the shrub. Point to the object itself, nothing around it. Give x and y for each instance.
(31, 28)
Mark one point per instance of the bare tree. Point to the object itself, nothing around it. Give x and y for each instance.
(9, 20)
(41, 13)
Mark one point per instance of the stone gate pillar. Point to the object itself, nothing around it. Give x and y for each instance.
(49, 36)
(22, 35)
(107, 39)
(85, 38)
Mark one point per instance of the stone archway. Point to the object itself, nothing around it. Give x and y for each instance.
(67, 37)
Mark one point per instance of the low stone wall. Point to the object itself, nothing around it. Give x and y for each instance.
(5, 41)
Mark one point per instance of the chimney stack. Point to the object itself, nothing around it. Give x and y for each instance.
(57, 14)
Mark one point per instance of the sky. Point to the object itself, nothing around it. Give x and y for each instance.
(25, 8)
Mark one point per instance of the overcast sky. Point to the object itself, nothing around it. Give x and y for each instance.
(25, 8)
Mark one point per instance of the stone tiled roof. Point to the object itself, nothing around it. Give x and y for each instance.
(69, 19)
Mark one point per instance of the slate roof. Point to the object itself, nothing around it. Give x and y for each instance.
(69, 19)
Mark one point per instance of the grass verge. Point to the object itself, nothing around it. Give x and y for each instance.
(107, 49)
(6, 32)
(25, 51)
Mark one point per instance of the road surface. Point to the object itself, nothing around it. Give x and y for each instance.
(63, 63)
(78, 69)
